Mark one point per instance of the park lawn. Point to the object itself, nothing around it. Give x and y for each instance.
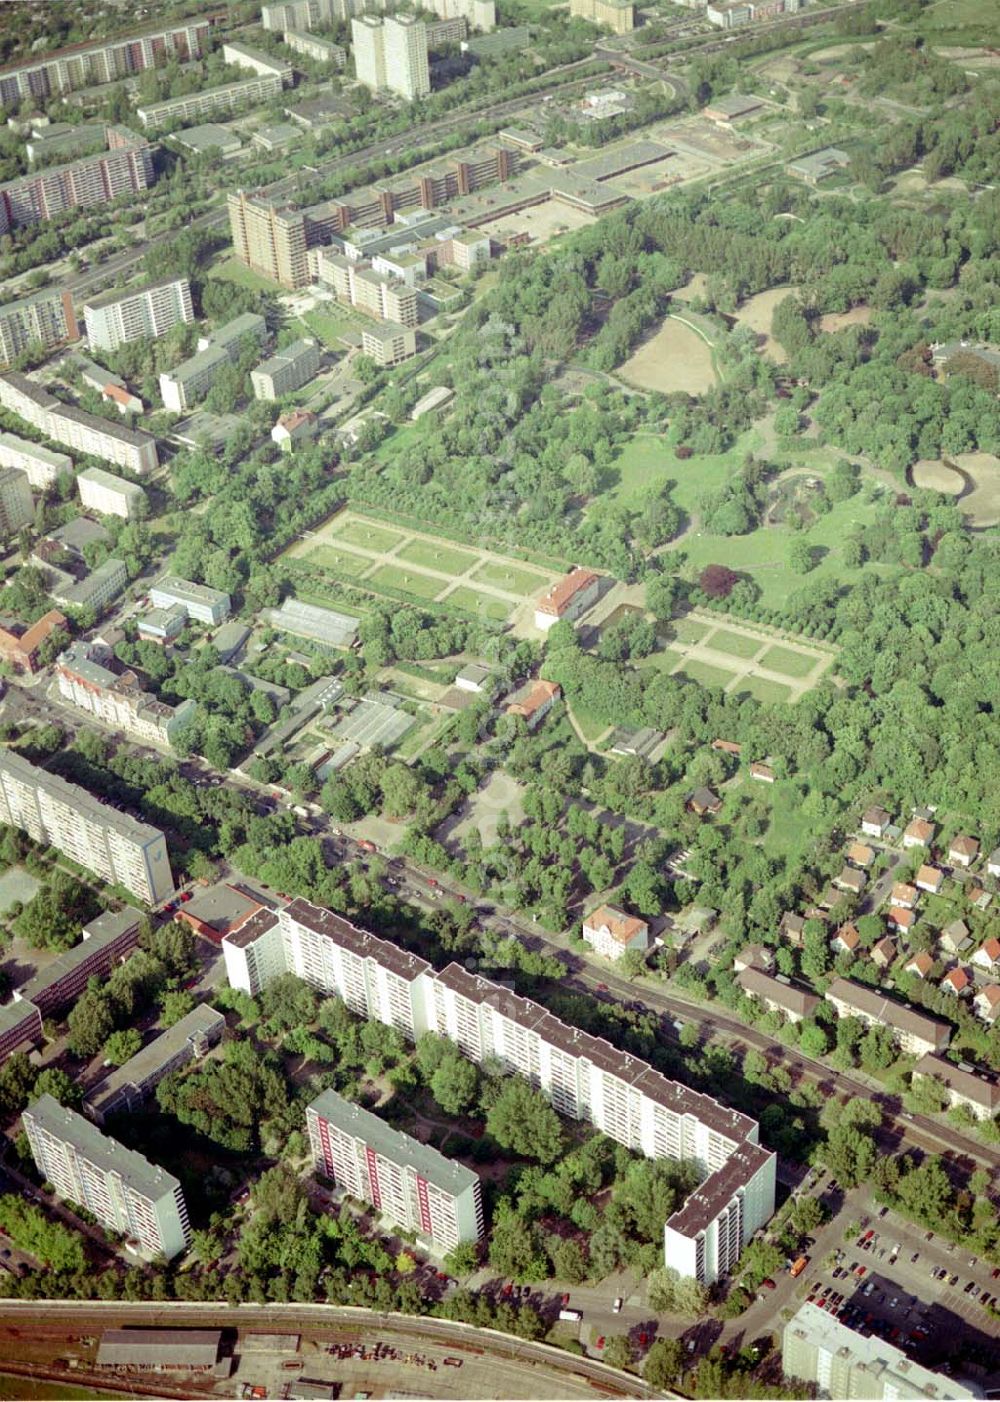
(645, 462)
(737, 644)
(788, 661)
(421, 586)
(705, 674)
(513, 579)
(482, 605)
(232, 270)
(366, 535)
(789, 835)
(435, 555)
(689, 630)
(327, 327)
(764, 690)
(706, 472)
(664, 660)
(592, 726)
(328, 557)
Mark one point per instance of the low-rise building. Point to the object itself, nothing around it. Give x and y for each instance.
(762, 773)
(986, 1003)
(883, 953)
(963, 851)
(91, 679)
(901, 919)
(778, 995)
(296, 427)
(919, 833)
(312, 46)
(204, 605)
(915, 1032)
(955, 937)
(534, 701)
(162, 625)
(104, 943)
(980, 1094)
(257, 61)
(754, 956)
(704, 803)
(987, 956)
(957, 982)
(96, 590)
(850, 880)
(818, 166)
(209, 139)
(919, 966)
(109, 495)
(929, 879)
(568, 598)
(160, 1350)
(20, 649)
(845, 940)
(134, 1081)
(904, 895)
(287, 370)
(475, 678)
(875, 821)
(992, 862)
(860, 855)
(610, 932)
(20, 1028)
(212, 102)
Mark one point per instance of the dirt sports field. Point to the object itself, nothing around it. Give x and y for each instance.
(676, 357)
(837, 321)
(397, 558)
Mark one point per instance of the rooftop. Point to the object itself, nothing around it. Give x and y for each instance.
(104, 930)
(196, 1348)
(786, 995)
(106, 1154)
(881, 1009)
(140, 1069)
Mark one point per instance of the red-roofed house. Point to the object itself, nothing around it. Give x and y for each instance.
(846, 940)
(728, 747)
(987, 1003)
(963, 851)
(534, 704)
(21, 650)
(901, 919)
(122, 398)
(918, 833)
(762, 772)
(883, 953)
(568, 598)
(929, 879)
(610, 931)
(859, 854)
(293, 427)
(920, 965)
(987, 956)
(957, 981)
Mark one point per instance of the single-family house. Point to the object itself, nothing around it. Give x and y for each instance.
(832, 897)
(754, 956)
(883, 953)
(763, 773)
(902, 919)
(979, 898)
(920, 965)
(846, 940)
(980, 1094)
(904, 895)
(791, 927)
(778, 995)
(610, 931)
(986, 1003)
(727, 747)
(915, 1032)
(918, 833)
(987, 956)
(955, 937)
(956, 981)
(533, 702)
(850, 880)
(874, 821)
(963, 851)
(929, 879)
(993, 862)
(704, 801)
(859, 854)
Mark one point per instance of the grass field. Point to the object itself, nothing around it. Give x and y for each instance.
(328, 557)
(788, 662)
(428, 555)
(326, 327)
(764, 690)
(591, 726)
(738, 644)
(513, 579)
(705, 674)
(483, 605)
(689, 630)
(421, 586)
(367, 535)
(676, 358)
(644, 463)
(232, 270)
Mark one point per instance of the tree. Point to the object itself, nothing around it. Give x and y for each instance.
(174, 1005)
(90, 1022)
(121, 1046)
(568, 1261)
(617, 1351)
(288, 1002)
(56, 1246)
(800, 556)
(462, 1259)
(56, 1082)
(455, 1084)
(522, 1120)
(664, 1364)
(717, 581)
(814, 1039)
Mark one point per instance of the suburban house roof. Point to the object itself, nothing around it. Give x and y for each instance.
(902, 918)
(919, 830)
(541, 694)
(859, 854)
(620, 926)
(920, 964)
(964, 846)
(558, 598)
(761, 771)
(990, 998)
(957, 980)
(876, 815)
(847, 937)
(884, 952)
(991, 948)
(705, 799)
(729, 747)
(903, 893)
(929, 876)
(851, 879)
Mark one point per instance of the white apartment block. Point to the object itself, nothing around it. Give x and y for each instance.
(313, 14)
(204, 605)
(16, 506)
(257, 61)
(74, 428)
(388, 343)
(125, 852)
(44, 319)
(116, 697)
(409, 1183)
(124, 1191)
(95, 591)
(117, 318)
(187, 383)
(585, 1077)
(300, 41)
(41, 466)
(287, 370)
(390, 54)
(610, 932)
(109, 495)
(231, 97)
(356, 283)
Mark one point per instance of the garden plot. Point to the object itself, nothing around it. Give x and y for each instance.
(741, 658)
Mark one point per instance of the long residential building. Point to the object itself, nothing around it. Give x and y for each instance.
(110, 495)
(300, 41)
(358, 285)
(124, 1191)
(194, 107)
(20, 1028)
(45, 319)
(17, 509)
(410, 1183)
(105, 61)
(134, 1081)
(105, 942)
(75, 428)
(585, 1077)
(286, 370)
(257, 61)
(120, 849)
(116, 318)
(124, 169)
(115, 696)
(185, 384)
(915, 1032)
(313, 14)
(41, 466)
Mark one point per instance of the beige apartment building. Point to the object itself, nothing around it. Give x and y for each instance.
(616, 15)
(390, 54)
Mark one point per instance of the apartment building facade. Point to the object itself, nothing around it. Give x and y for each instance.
(130, 1084)
(409, 1183)
(187, 383)
(45, 318)
(610, 932)
(915, 1032)
(116, 846)
(358, 285)
(104, 943)
(287, 370)
(390, 54)
(109, 495)
(313, 14)
(95, 591)
(124, 169)
(74, 428)
(212, 102)
(124, 1191)
(616, 15)
(20, 1028)
(300, 41)
(41, 466)
(257, 61)
(87, 680)
(107, 61)
(388, 343)
(584, 1077)
(116, 318)
(17, 509)
(204, 605)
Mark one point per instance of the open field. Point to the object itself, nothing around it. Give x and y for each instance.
(705, 673)
(366, 535)
(788, 661)
(343, 561)
(645, 462)
(763, 689)
(482, 605)
(499, 794)
(860, 315)
(326, 327)
(448, 559)
(738, 644)
(232, 270)
(756, 313)
(421, 586)
(675, 358)
(689, 630)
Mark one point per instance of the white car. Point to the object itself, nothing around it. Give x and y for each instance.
(616, 1308)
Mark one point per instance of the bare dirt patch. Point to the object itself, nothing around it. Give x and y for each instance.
(693, 290)
(983, 502)
(675, 358)
(500, 794)
(933, 475)
(756, 313)
(839, 321)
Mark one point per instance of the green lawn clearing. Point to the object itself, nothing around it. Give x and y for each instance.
(688, 630)
(328, 557)
(644, 463)
(705, 674)
(434, 555)
(367, 536)
(421, 586)
(327, 328)
(232, 270)
(737, 644)
(482, 605)
(513, 579)
(591, 726)
(788, 661)
(764, 690)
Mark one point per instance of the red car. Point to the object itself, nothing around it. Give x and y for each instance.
(433, 881)
(600, 1343)
(186, 896)
(768, 1284)
(565, 1301)
(644, 1338)
(600, 987)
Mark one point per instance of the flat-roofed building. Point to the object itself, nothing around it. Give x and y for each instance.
(125, 168)
(205, 605)
(40, 465)
(95, 590)
(16, 506)
(411, 1184)
(616, 15)
(212, 102)
(257, 61)
(109, 495)
(104, 61)
(388, 343)
(20, 1028)
(133, 1082)
(390, 54)
(209, 139)
(115, 318)
(287, 370)
(300, 41)
(915, 1032)
(183, 386)
(75, 428)
(125, 1192)
(105, 942)
(44, 318)
(177, 1350)
(115, 845)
